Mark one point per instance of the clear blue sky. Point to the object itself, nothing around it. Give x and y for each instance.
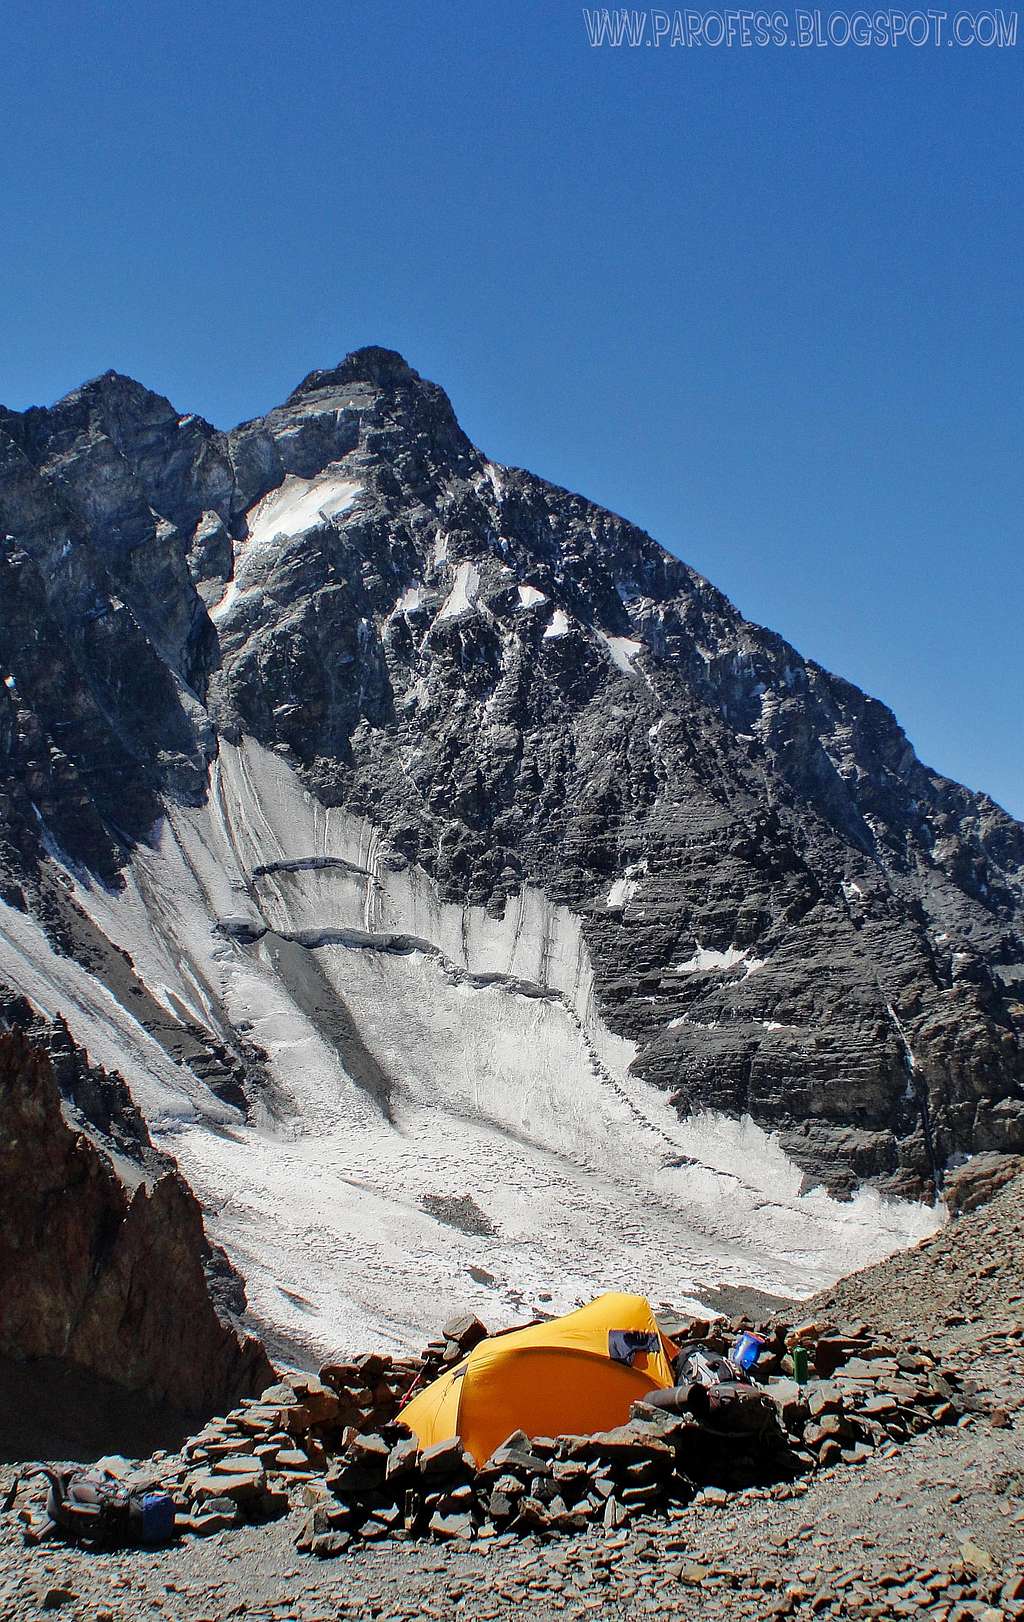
(765, 302)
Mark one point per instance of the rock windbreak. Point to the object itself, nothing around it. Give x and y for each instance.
(788, 914)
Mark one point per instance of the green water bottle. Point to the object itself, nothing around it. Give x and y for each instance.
(800, 1364)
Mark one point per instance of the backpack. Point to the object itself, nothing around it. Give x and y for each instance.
(696, 1364)
(99, 1509)
(736, 1409)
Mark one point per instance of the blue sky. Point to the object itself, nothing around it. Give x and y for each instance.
(764, 302)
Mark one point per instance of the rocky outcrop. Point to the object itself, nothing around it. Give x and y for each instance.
(979, 1180)
(100, 1275)
(788, 913)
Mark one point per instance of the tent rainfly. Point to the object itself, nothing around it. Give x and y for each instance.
(568, 1377)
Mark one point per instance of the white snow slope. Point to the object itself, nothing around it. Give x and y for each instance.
(421, 1053)
(294, 507)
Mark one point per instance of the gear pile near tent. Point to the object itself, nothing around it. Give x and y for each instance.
(570, 1376)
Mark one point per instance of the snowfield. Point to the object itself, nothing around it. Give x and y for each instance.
(294, 507)
(448, 1123)
(529, 596)
(463, 593)
(623, 650)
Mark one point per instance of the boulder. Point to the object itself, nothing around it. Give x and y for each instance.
(465, 1331)
(457, 1526)
(240, 1488)
(445, 1459)
(516, 1454)
(403, 1460)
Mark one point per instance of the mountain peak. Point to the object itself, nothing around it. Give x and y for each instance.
(371, 364)
(113, 384)
(573, 762)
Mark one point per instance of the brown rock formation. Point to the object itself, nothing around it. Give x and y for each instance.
(102, 1278)
(980, 1180)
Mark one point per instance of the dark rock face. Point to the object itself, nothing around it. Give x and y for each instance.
(104, 1273)
(788, 913)
(94, 1101)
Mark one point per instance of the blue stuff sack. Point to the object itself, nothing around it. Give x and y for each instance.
(157, 1517)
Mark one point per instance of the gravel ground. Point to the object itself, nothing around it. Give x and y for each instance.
(936, 1529)
(879, 1532)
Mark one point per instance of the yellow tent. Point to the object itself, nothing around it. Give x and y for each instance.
(569, 1377)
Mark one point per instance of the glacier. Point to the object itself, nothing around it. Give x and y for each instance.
(448, 1122)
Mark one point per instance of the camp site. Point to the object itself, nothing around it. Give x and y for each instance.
(594, 1418)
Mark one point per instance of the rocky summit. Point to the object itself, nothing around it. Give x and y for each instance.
(465, 892)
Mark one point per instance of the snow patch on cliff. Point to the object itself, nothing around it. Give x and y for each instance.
(529, 596)
(621, 891)
(463, 594)
(623, 650)
(707, 958)
(297, 505)
(558, 625)
(410, 600)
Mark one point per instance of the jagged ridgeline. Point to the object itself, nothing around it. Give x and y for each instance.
(417, 838)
